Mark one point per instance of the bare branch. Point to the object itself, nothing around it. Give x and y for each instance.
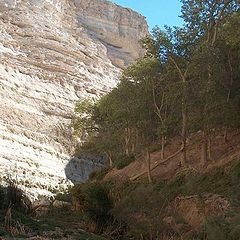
(156, 165)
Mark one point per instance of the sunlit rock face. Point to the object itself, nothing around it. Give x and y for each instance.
(53, 53)
(119, 29)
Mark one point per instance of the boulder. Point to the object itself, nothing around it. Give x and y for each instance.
(61, 204)
(41, 207)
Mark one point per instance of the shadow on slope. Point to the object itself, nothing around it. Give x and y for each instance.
(11, 196)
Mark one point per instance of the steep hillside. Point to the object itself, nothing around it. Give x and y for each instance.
(221, 153)
(50, 57)
(193, 202)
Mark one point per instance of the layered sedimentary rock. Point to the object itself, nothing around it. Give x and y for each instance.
(119, 29)
(53, 53)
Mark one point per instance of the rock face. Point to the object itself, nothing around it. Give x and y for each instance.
(115, 26)
(78, 168)
(53, 53)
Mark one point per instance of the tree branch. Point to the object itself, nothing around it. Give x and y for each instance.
(156, 165)
(183, 75)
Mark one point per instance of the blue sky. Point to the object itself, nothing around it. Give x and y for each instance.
(157, 12)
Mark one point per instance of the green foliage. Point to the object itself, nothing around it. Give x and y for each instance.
(123, 161)
(83, 123)
(139, 201)
(65, 197)
(137, 210)
(1, 197)
(188, 81)
(12, 196)
(122, 119)
(99, 174)
(223, 181)
(47, 224)
(96, 202)
(221, 228)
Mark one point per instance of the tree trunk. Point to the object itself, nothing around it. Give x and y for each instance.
(127, 140)
(8, 219)
(163, 148)
(158, 164)
(126, 145)
(226, 135)
(184, 137)
(110, 161)
(109, 155)
(229, 92)
(133, 148)
(183, 76)
(204, 149)
(210, 148)
(134, 141)
(148, 157)
(127, 151)
(204, 153)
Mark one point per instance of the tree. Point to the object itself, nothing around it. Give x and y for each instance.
(141, 75)
(204, 19)
(188, 81)
(96, 130)
(173, 49)
(229, 46)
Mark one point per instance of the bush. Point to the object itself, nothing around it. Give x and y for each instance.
(99, 174)
(65, 197)
(1, 197)
(217, 228)
(12, 196)
(123, 161)
(137, 209)
(96, 202)
(99, 203)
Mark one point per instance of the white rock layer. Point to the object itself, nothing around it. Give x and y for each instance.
(51, 55)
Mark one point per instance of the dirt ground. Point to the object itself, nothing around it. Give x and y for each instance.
(221, 153)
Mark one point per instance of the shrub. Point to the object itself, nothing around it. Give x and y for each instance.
(65, 197)
(140, 208)
(99, 203)
(137, 210)
(96, 202)
(1, 197)
(214, 228)
(12, 196)
(99, 174)
(123, 161)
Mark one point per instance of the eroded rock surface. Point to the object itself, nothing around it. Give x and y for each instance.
(53, 53)
(119, 29)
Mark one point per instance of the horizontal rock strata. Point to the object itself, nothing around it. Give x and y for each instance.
(52, 54)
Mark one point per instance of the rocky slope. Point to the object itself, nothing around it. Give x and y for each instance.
(53, 53)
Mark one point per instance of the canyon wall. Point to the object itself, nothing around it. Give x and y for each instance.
(119, 29)
(52, 54)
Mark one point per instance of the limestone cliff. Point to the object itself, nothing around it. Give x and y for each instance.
(119, 29)
(53, 53)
